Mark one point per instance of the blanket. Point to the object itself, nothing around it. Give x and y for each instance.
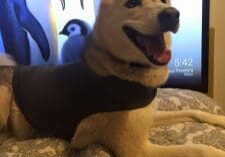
(171, 134)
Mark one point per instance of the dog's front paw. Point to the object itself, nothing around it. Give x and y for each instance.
(95, 151)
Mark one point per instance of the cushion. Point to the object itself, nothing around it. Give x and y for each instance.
(171, 134)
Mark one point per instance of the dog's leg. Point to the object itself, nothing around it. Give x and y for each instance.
(123, 133)
(18, 124)
(132, 143)
(195, 150)
(5, 101)
(88, 131)
(120, 140)
(162, 117)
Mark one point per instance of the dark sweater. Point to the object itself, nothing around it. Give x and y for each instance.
(54, 99)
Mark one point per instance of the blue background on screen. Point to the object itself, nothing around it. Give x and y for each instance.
(187, 43)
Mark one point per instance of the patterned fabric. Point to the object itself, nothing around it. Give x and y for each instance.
(188, 132)
(47, 147)
(180, 133)
(177, 99)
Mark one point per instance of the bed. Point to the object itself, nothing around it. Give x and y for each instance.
(171, 134)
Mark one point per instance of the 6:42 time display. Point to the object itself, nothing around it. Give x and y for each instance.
(183, 62)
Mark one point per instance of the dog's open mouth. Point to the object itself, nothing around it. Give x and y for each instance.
(153, 46)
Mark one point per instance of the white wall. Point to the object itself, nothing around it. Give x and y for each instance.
(218, 22)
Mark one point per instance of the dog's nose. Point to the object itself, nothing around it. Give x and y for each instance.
(169, 19)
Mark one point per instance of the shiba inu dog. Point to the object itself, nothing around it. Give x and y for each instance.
(109, 96)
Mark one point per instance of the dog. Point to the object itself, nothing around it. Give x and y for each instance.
(109, 96)
(6, 60)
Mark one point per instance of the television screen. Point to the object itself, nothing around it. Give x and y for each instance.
(63, 33)
(189, 64)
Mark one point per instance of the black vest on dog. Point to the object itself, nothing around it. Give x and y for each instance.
(55, 99)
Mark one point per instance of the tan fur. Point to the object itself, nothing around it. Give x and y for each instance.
(18, 124)
(11, 117)
(109, 52)
(127, 133)
(5, 101)
(6, 60)
(105, 65)
(108, 42)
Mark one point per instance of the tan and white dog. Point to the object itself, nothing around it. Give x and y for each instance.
(130, 43)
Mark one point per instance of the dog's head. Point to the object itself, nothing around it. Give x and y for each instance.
(137, 32)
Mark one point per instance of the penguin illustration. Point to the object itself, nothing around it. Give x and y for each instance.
(64, 5)
(16, 20)
(82, 3)
(77, 31)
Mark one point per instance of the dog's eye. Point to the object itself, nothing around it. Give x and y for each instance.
(133, 3)
(164, 1)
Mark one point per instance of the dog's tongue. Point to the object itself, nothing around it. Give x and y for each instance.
(155, 50)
